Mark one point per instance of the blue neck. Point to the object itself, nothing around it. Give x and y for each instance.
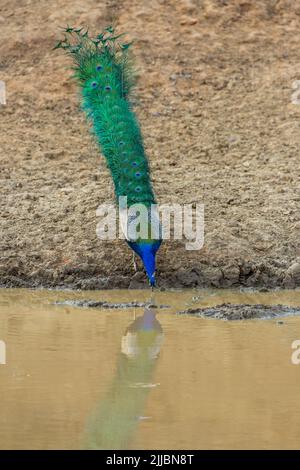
(147, 251)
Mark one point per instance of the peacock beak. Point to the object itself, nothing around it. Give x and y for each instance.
(152, 281)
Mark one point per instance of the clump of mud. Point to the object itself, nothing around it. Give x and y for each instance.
(108, 305)
(242, 311)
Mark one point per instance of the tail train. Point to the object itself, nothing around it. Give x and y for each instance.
(103, 70)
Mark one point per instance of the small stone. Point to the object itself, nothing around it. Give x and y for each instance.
(294, 269)
(188, 21)
(293, 275)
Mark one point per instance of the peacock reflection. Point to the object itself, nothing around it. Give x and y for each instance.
(116, 418)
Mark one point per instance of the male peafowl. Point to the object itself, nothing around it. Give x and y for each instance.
(103, 71)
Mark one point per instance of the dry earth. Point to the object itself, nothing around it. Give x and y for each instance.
(214, 98)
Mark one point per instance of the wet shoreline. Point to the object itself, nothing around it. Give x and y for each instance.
(233, 275)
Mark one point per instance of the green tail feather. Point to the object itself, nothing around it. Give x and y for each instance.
(103, 71)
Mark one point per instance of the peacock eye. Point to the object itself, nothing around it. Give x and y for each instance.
(138, 174)
(138, 189)
(107, 88)
(121, 143)
(94, 84)
(99, 68)
(134, 163)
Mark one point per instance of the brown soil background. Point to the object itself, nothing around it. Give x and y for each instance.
(214, 99)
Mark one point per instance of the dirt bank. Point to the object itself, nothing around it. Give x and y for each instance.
(214, 99)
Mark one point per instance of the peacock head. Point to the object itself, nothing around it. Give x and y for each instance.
(146, 249)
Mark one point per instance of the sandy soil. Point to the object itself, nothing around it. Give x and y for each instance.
(214, 99)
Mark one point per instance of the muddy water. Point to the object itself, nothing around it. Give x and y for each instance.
(139, 378)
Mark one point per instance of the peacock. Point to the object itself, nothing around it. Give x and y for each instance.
(103, 69)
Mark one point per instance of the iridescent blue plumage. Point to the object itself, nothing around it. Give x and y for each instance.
(147, 252)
